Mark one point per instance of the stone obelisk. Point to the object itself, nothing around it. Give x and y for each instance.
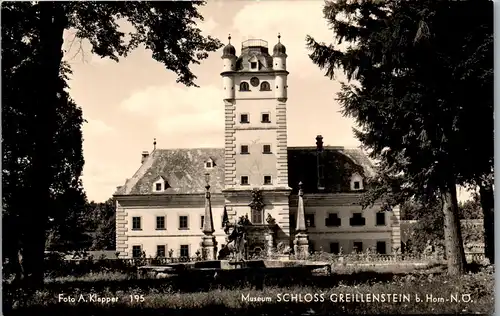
(301, 242)
(208, 243)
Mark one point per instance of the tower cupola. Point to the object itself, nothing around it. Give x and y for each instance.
(229, 50)
(279, 49)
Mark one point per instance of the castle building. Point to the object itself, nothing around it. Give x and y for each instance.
(161, 209)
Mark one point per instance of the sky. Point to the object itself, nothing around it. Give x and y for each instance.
(128, 104)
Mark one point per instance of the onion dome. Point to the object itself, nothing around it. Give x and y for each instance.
(229, 49)
(279, 49)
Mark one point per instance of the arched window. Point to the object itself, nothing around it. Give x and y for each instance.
(244, 86)
(265, 86)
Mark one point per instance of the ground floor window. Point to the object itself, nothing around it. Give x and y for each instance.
(357, 246)
(136, 251)
(184, 251)
(334, 248)
(381, 249)
(160, 251)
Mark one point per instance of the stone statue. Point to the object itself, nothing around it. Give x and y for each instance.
(236, 240)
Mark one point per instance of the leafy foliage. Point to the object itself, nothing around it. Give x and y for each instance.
(41, 137)
(415, 64)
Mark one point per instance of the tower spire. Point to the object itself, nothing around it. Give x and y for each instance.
(154, 144)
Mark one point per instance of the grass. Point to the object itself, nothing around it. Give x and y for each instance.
(159, 297)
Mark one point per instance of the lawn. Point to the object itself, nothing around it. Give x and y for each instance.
(377, 292)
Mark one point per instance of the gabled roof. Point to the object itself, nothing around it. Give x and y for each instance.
(184, 170)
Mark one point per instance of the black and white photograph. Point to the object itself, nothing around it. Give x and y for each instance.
(272, 157)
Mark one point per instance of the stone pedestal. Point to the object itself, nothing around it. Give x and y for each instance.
(209, 248)
(269, 243)
(301, 246)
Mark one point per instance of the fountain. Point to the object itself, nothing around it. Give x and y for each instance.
(233, 260)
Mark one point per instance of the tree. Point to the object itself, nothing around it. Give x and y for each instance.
(102, 222)
(412, 61)
(167, 29)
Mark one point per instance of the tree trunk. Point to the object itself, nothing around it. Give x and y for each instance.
(52, 23)
(452, 234)
(488, 206)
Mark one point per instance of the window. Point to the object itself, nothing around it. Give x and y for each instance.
(266, 149)
(309, 220)
(268, 180)
(244, 118)
(357, 185)
(183, 222)
(381, 247)
(253, 65)
(334, 247)
(208, 164)
(136, 223)
(266, 118)
(244, 180)
(357, 246)
(244, 86)
(265, 86)
(160, 251)
(333, 220)
(244, 149)
(357, 219)
(184, 251)
(380, 219)
(158, 187)
(202, 221)
(257, 216)
(136, 252)
(160, 222)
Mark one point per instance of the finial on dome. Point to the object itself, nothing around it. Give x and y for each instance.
(279, 36)
(229, 38)
(154, 144)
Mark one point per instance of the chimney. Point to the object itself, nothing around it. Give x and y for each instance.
(145, 156)
(320, 162)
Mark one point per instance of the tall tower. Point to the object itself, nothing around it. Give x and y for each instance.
(255, 95)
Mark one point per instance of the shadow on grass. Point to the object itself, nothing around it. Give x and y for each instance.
(201, 281)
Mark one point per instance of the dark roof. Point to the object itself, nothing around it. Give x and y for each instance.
(184, 170)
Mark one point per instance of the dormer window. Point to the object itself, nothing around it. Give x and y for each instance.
(160, 185)
(253, 65)
(244, 86)
(265, 86)
(209, 164)
(356, 182)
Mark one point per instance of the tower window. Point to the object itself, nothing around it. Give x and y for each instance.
(158, 186)
(244, 86)
(244, 180)
(266, 118)
(244, 118)
(268, 180)
(356, 185)
(265, 86)
(266, 149)
(244, 149)
(253, 65)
